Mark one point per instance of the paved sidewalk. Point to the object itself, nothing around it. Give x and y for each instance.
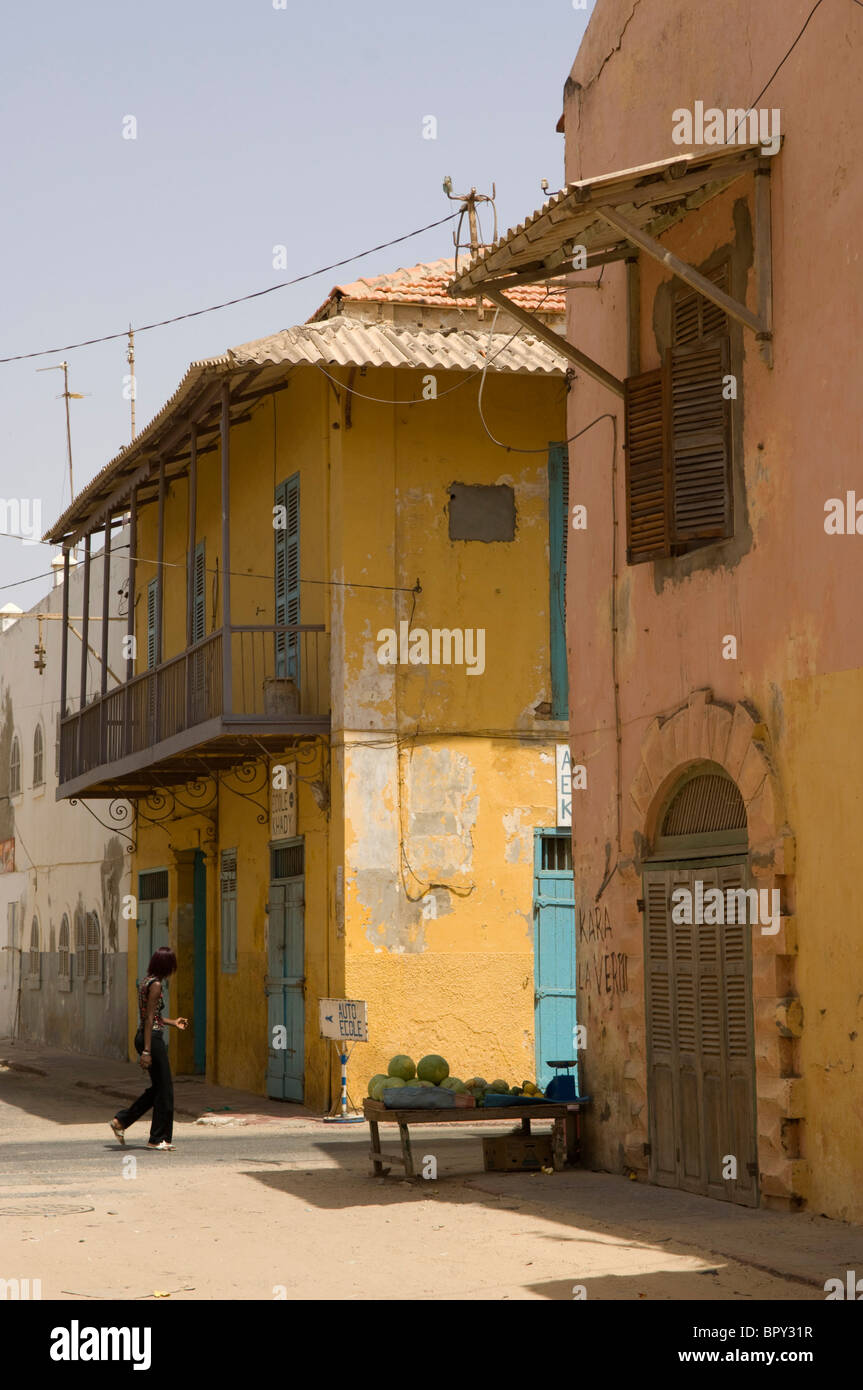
(193, 1095)
(801, 1246)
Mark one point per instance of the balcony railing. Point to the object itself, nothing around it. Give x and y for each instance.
(278, 675)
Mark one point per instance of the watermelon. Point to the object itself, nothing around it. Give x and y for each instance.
(477, 1083)
(402, 1067)
(432, 1068)
(391, 1083)
(500, 1088)
(381, 1076)
(452, 1083)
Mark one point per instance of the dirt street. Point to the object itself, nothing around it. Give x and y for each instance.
(277, 1208)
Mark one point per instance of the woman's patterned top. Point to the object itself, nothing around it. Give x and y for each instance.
(142, 1004)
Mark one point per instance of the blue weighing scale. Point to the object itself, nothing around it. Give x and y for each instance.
(561, 1088)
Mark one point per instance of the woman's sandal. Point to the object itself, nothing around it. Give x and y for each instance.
(118, 1131)
(165, 1146)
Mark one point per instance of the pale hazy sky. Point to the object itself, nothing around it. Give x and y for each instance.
(256, 127)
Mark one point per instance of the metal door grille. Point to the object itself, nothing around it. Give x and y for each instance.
(706, 804)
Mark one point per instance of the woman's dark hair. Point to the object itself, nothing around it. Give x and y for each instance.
(163, 963)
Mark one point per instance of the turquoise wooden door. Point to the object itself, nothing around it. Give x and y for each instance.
(285, 982)
(153, 932)
(554, 951)
(200, 958)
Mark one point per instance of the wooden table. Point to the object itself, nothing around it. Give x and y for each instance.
(565, 1132)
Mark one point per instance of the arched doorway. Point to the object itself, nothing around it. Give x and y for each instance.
(698, 986)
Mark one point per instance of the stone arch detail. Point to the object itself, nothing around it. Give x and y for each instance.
(734, 738)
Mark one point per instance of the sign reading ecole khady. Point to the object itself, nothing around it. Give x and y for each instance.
(283, 801)
(563, 784)
(345, 1020)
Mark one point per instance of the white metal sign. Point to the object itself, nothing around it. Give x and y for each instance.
(345, 1019)
(563, 783)
(283, 801)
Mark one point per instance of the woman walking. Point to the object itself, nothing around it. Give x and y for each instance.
(150, 1045)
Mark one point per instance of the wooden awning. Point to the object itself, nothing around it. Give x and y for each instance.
(614, 217)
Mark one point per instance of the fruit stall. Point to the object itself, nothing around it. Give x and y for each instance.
(425, 1093)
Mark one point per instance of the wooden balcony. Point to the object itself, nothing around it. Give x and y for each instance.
(200, 711)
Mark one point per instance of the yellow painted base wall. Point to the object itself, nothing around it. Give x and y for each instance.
(460, 983)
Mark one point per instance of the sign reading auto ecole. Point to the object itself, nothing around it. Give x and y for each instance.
(346, 1020)
(563, 784)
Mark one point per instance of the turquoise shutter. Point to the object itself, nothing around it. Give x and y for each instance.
(558, 534)
(199, 619)
(152, 613)
(287, 577)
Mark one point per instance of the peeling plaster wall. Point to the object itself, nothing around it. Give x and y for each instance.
(63, 857)
(445, 774)
(784, 588)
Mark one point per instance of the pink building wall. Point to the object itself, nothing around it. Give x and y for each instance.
(788, 592)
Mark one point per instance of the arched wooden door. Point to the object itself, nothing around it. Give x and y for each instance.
(698, 980)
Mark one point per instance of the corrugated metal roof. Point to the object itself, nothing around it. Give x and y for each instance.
(350, 342)
(333, 342)
(653, 196)
(427, 284)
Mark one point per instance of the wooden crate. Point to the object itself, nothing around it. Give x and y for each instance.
(516, 1153)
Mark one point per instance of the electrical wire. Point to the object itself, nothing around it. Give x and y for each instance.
(227, 303)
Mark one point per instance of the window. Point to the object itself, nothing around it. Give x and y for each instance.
(34, 970)
(558, 524)
(479, 512)
(15, 767)
(94, 954)
(228, 889)
(678, 436)
(80, 945)
(64, 955)
(38, 757)
(287, 576)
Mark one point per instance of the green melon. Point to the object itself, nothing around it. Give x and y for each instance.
(381, 1076)
(498, 1087)
(402, 1067)
(452, 1083)
(391, 1083)
(432, 1068)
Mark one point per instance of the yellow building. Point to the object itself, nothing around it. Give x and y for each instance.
(340, 711)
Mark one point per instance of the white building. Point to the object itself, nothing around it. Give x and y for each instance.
(63, 875)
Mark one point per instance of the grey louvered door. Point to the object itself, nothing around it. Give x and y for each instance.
(701, 1071)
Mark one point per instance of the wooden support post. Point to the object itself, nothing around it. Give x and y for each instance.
(764, 261)
(85, 623)
(558, 1145)
(556, 341)
(407, 1152)
(160, 567)
(64, 659)
(106, 590)
(687, 273)
(190, 563)
(633, 316)
(227, 651)
(130, 606)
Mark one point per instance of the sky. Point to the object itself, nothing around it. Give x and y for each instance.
(255, 127)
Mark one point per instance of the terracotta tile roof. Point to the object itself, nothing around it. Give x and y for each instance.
(426, 284)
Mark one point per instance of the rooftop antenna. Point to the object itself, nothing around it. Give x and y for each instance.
(130, 358)
(68, 396)
(469, 203)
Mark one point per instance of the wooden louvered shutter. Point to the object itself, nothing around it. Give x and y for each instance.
(152, 623)
(662, 1049)
(685, 966)
(698, 443)
(287, 577)
(199, 594)
(647, 462)
(739, 1045)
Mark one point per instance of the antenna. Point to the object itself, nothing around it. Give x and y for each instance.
(68, 396)
(130, 358)
(469, 203)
